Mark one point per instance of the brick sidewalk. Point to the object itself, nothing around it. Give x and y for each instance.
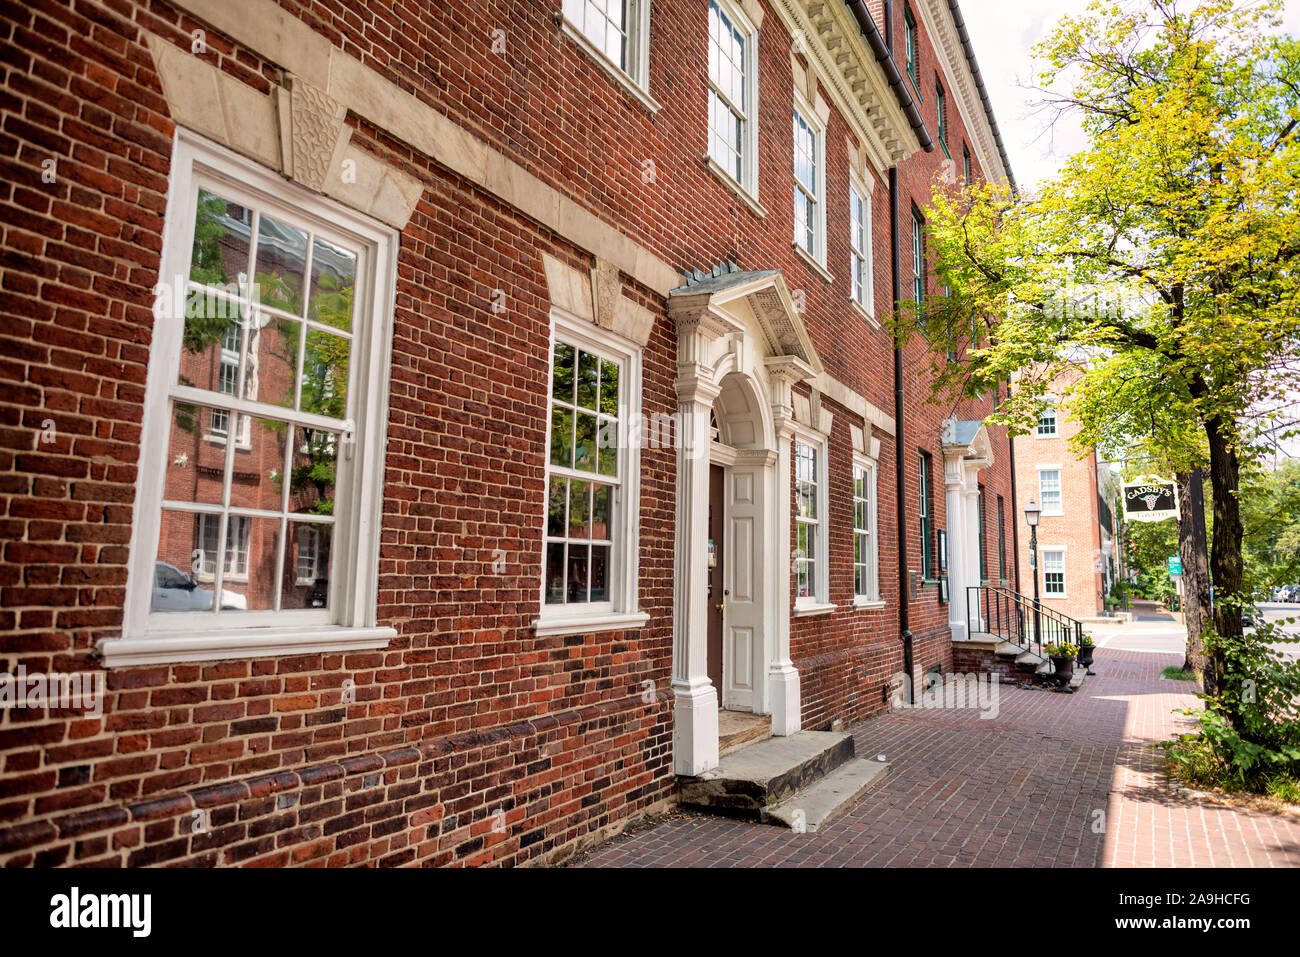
(1020, 790)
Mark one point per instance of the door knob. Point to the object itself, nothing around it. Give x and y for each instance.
(721, 607)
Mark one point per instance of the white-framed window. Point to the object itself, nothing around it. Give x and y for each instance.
(810, 546)
(313, 558)
(1047, 422)
(618, 33)
(227, 382)
(941, 112)
(590, 549)
(911, 48)
(308, 285)
(809, 181)
(235, 566)
(1053, 572)
(866, 548)
(860, 266)
(1049, 491)
(733, 95)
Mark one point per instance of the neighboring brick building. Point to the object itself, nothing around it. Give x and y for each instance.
(518, 334)
(1076, 534)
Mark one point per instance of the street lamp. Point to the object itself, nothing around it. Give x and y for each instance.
(1032, 513)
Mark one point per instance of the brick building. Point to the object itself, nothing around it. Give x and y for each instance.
(1077, 551)
(390, 392)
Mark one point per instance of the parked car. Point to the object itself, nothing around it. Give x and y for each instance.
(173, 590)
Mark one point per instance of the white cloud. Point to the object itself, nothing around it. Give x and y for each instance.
(1005, 58)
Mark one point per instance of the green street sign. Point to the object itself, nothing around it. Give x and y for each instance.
(1175, 565)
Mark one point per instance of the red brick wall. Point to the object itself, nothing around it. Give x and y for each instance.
(470, 739)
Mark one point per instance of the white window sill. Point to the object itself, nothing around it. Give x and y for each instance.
(862, 311)
(590, 624)
(810, 609)
(752, 202)
(867, 604)
(641, 94)
(811, 261)
(160, 649)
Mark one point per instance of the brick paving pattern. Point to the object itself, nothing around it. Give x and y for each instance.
(1022, 790)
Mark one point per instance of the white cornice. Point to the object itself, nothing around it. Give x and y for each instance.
(936, 17)
(849, 75)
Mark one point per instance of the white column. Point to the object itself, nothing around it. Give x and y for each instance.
(783, 678)
(695, 700)
(954, 485)
(971, 539)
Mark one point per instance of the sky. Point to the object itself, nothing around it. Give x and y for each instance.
(1004, 33)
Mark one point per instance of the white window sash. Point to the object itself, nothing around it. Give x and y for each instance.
(350, 621)
(621, 609)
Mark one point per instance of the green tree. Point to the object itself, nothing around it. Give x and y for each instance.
(1183, 210)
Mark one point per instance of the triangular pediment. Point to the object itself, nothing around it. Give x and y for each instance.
(732, 300)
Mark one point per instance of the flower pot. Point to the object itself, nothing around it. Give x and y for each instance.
(1064, 669)
(1085, 657)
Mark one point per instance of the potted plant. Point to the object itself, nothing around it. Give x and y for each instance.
(1062, 656)
(1086, 648)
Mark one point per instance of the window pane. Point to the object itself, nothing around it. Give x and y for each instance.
(562, 437)
(609, 387)
(562, 374)
(588, 375)
(196, 459)
(221, 235)
(579, 510)
(584, 456)
(179, 562)
(333, 280)
(325, 374)
(577, 573)
(555, 573)
(252, 548)
(607, 439)
(314, 470)
(281, 262)
(601, 512)
(557, 502)
(272, 360)
(600, 573)
(307, 566)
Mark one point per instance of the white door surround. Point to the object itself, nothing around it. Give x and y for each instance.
(967, 449)
(741, 347)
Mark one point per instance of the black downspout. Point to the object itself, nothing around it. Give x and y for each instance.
(900, 447)
(1015, 508)
(889, 26)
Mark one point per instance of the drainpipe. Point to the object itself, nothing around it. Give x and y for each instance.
(900, 447)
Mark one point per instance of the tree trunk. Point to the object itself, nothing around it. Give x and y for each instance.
(1226, 562)
(1196, 571)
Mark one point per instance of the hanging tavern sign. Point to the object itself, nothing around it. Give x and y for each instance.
(1149, 498)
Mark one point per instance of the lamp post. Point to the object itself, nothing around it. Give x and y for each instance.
(1032, 512)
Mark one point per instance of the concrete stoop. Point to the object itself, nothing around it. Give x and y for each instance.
(801, 781)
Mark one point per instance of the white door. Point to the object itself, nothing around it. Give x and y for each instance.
(743, 614)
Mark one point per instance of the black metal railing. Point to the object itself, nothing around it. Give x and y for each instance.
(1013, 617)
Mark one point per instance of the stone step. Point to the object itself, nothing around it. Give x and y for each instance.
(748, 781)
(739, 729)
(824, 800)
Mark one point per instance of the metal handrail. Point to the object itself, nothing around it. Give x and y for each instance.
(1018, 619)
